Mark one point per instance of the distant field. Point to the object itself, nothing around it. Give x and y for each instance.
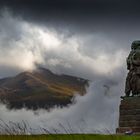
(70, 137)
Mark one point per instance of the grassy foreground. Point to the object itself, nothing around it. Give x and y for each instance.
(69, 137)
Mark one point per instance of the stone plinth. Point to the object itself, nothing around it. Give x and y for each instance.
(129, 115)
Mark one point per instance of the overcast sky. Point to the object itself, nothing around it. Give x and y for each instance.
(98, 28)
(85, 38)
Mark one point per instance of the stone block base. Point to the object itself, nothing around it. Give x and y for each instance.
(129, 115)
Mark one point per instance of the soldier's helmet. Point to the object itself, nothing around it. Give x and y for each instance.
(135, 45)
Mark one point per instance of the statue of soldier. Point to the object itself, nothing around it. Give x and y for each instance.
(133, 65)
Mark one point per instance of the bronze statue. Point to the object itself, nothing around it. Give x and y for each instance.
(132, 85)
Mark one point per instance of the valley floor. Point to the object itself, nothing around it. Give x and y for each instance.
(70, 137)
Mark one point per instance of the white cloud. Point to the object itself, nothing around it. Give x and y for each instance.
(28, 44)
(95, 111)
(24, 44)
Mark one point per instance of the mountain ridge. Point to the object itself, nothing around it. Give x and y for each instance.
(40, 88)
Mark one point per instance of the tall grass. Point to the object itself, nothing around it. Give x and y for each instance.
(23, 131)
(23, 128)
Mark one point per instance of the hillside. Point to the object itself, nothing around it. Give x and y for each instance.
(40, 89)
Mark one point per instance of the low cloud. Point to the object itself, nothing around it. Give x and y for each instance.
(95, 112)
(93, 56)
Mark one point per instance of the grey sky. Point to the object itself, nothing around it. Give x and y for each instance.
(82, 38)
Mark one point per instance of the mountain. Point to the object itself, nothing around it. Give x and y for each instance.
(40, 88)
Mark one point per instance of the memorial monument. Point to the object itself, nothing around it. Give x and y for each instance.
(129, 119)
